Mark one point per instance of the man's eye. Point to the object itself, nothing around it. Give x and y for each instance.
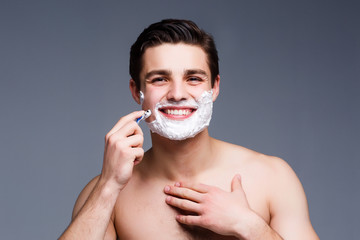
(194, 79)
(158, 80)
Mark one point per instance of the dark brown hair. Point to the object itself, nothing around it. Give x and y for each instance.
(172, 31)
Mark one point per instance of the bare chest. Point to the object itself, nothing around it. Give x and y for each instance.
(141, 213)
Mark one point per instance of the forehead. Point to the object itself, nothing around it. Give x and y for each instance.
(174, 57)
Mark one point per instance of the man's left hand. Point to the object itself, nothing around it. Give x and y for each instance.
(226, 213)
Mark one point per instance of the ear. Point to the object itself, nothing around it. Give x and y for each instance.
(135, 92)
(216, 88)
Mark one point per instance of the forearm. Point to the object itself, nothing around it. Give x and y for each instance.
(92, 220)
(256, 229)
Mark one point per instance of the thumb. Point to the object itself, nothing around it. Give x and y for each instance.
(236, 183)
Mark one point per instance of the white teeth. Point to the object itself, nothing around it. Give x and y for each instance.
(177, 112)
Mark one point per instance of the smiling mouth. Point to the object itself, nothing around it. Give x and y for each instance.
(177, 112)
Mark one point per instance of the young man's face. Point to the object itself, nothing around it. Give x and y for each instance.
(172, 73)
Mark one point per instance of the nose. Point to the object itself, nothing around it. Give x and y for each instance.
(177, 91)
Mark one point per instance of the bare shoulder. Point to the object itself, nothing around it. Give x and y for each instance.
(252, 159)
(274, 173)
(83, 196)
(273, 176)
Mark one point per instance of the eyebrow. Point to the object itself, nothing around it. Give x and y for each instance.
(195, 71)
(168, 73)
(157, 72)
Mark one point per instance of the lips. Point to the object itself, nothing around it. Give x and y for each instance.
(177, 113)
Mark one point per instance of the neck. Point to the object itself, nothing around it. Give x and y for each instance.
(180, 160)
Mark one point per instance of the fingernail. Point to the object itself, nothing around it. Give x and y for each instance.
(167, 189)
(177, 184)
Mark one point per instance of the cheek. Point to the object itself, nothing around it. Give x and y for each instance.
(196, 91)
(150, 103)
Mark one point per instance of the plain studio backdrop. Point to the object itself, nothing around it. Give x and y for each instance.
(289, 88)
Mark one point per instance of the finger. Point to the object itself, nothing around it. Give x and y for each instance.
(122, 121)
(236, 187)
(236, 183)
(135, 141)
(183, 204)
(129, 129)
(139, 154)
(189, 220)
(132, 128)
(184, 193)
(199, 187)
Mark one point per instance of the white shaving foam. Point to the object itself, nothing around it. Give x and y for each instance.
(141, 97)
(186, 128)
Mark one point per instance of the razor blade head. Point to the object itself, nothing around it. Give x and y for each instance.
(147, 113)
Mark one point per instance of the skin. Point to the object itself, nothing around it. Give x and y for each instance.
(199, 188)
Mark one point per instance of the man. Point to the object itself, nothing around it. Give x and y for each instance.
(188, 185)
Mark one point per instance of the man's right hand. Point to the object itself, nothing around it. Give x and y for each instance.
(95, 204)
(123, 150)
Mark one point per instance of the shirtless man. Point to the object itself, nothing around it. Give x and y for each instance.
(188, 185)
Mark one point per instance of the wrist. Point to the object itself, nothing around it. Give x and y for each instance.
(108, 187)
(254, 228)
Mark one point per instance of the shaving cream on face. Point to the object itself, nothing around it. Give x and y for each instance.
(141, 97)
(189, 127)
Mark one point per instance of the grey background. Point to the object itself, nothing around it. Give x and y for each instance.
(290, 88)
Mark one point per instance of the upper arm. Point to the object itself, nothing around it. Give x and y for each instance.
(81, 200)
(83, 196)
(288, 204)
